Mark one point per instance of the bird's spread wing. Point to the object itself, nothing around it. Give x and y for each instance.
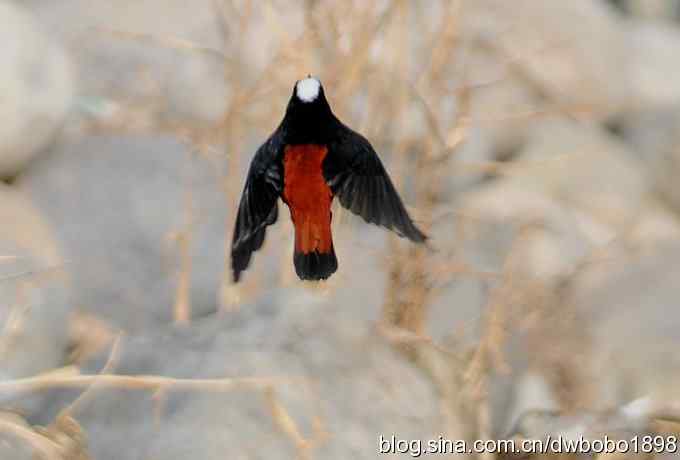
(357, 177)
(258, 207)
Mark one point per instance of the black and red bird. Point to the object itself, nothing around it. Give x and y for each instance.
(311, 158)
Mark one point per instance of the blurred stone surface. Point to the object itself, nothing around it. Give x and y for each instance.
(633, 320)
(569, 52)
(354, 387)
(115, 204)
(11, 446)
(531, 393)
(11, 449)
(653, 47)
(574, 198)
(578, 189)
(653, 136)
(527, 61)
(650, 9)
(127, 54)
(599, 178)
(582, 165)
(34, 291)
(501, 210)
(37, 84)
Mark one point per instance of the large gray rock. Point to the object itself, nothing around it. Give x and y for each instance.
(572, 210)
(650, 9)
(581, 191)
(12, 447)
(354, 387)
(149, 66)
(34, 292)
(599, 178)
(174, 67)
(528, 61)
(653, 136)
(652, 48)
(627, 326)
(636, 301)
(115, 203)
(115, 200)
(571, 52)
(37, 88)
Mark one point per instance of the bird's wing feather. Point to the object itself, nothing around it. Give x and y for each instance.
(258, 207)
(358, 178)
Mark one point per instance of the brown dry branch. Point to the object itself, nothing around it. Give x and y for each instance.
(38, 272)
(285, 422)
(42, 445)
(63, 440)
(409, 293)
(87, 395)
(409, 286)
(12, 327)
(511, 291)
(182, 305)
(183, 240)
(351, 66)
(89, 336)
(160, 386)
(164, 41)
(140, 382)
(18, 312)
(400, 337)
(67, 433)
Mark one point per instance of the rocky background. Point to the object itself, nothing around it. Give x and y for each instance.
(537, 142)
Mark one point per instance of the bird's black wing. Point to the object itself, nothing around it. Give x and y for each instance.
(358, 178)
(258, 207)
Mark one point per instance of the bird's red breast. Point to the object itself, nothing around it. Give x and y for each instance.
(308, 196)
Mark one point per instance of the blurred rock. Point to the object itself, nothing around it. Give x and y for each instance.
(353, 387)
(500, 210)
(529, 61)
(62, 440)
(120, 207)
(34, 294)
(37, 88)
(501, 110)
(574, 196)
(11, 449)
(650, 9)
(127, 53)
(590, 425)
(653, 48)
(653, 136)
(11, 446)
(171, 65)
(531, 393)
(583, 166)
(577, 189)
(599, 178)
(570, 53)
(638, 300)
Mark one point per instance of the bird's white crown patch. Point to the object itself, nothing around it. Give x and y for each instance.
(307, 90)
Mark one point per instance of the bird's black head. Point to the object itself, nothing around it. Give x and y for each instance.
(309, 119)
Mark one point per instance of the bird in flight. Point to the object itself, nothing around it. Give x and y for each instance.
(310, 159)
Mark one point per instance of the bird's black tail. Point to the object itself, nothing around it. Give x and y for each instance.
(315, 265)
